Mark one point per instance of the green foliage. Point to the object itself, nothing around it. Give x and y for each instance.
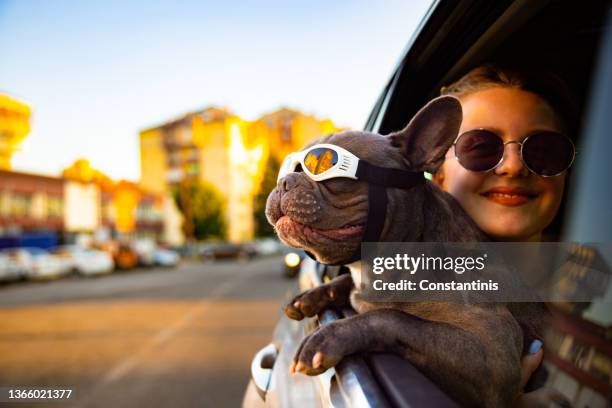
(262, 226)
(203, 209)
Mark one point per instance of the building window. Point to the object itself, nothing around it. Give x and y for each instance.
(55, 207)
(148, 212)
(20, 204)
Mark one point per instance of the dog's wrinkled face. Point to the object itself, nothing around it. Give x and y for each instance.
(328, 218)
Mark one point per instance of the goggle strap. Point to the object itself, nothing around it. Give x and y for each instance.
(377, 212)
(388, 177)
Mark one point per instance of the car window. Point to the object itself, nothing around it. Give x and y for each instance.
(590, 214)
(555, 35)
(564, 38)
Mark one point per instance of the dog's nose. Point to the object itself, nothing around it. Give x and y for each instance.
(289, 182)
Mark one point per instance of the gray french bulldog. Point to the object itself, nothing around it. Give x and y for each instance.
(472, 351)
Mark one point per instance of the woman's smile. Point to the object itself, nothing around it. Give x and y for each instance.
(509, 196)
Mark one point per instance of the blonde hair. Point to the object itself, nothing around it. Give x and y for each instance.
(548, 86)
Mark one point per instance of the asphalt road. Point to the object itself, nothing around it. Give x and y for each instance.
(179, 337)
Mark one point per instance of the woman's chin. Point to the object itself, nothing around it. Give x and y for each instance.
(514, 231)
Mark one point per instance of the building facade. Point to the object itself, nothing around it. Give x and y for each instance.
(68, 206)
(30, 202)
(217, 147)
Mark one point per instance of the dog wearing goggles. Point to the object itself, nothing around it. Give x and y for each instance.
(323, 202)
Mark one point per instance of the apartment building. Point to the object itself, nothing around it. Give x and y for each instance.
(218, 147)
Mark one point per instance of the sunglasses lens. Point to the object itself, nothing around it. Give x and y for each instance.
(320, 160)
(548, 153)
(479, 150)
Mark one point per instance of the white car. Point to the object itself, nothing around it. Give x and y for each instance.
(9, 268)
(166, 257)
(85, 261)
(38, 263)
(145, 249)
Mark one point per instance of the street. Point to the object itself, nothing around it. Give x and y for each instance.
(180, 337)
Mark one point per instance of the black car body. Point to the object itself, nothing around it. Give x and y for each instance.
(575, 41)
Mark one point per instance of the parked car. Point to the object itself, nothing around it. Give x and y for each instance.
(37, 263)
(227, 250)
(166, 257)
(123, 255)
(267, 246)
(84, 261)
(145, 251)
(9, 268)
(454, 37)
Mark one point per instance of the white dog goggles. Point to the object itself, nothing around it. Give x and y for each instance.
(325, 161)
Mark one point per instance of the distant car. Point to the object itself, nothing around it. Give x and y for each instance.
(166, 257)
(145, 250)
(227, 250)
(267, 246)
(9, 268)
(38, 263)
(292, 261)
(85, 261)
(125, 257)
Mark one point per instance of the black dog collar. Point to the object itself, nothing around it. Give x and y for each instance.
(388, 177)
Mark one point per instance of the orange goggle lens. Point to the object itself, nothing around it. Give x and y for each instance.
(320, 160)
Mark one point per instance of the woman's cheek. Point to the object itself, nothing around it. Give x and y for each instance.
(464, 186)
(552, 194)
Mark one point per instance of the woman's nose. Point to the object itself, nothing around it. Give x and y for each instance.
(512, 165)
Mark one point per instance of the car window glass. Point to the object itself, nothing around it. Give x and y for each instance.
(590, 215)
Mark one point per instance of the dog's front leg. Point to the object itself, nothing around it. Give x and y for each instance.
(335, 293)
(473, 370)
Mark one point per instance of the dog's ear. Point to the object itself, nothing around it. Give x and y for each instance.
(430, 133)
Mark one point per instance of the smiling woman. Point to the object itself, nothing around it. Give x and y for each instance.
(513, 199)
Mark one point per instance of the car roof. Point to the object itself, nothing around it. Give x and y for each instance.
(456, 36)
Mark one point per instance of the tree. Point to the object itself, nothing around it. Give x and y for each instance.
(262, 226)
(203, 208)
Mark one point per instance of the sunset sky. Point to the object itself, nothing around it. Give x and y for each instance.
(97, 72)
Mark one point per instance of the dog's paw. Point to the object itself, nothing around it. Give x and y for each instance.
(310, 303)
(313, 301)
(319, 351)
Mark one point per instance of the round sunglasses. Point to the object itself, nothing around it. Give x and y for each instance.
(545, 153)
